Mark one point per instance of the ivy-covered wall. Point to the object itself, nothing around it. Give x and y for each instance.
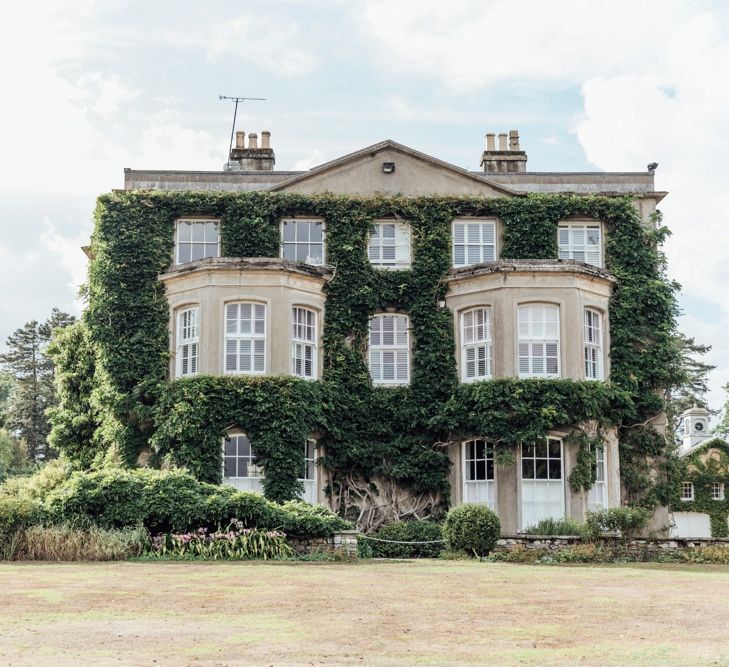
(704, 467)
(368, 433)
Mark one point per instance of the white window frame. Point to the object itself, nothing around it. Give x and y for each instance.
(376, 352)
(309, 243)
(187, 338)
(477, 343)
(477, 490)
(549, 490)
(717, 490)
(536, 337)
(597, 496)
(304, 338)
(256, 339)
(400, 243)
(572, 241)
(252, 480)
(687, 491)
(592, 334)
(309, 477)
(473, 237)
(194, 221)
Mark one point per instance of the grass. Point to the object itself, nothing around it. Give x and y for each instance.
(375, 612)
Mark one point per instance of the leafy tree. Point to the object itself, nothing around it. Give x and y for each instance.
(32, 369)
(14, 458)
(691, 381)
(722, 428)
(7, 384)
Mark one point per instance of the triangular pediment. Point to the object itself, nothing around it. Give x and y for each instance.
(413, 174)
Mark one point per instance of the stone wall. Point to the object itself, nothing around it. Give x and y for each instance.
(344, 542)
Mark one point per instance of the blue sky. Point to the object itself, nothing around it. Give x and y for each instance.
(91, 87)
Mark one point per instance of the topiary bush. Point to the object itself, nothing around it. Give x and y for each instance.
(408, 531)
(564, 526)
(626, 521)
(471, 528)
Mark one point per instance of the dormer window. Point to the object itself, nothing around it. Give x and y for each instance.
(303, 240)
(196, 239)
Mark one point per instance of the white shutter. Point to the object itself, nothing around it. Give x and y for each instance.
(402, 245)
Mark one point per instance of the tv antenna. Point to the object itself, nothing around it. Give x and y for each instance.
(235, 112)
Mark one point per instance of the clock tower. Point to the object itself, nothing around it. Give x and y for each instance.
(695, 428)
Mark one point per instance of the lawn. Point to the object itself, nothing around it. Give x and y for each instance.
(372, 612)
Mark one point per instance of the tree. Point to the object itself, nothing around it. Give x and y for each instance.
(691, 384)
(7, 384)
(26, 360)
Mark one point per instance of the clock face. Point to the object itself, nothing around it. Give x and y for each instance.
(699, 426)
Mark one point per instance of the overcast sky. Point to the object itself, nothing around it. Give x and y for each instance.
(89, 88)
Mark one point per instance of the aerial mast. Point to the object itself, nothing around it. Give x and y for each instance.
(235, 113)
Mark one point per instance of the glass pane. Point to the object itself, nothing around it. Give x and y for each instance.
(316, 232)
(541, 449)
(480, 469)
(555, 469)
(198, 232)
(211, 232)
(229, 470)
(184, 231)
(289, 251)
(480, 449)
(242, 467)
(244, 446)
(317, 253)
(541, 469)
(302, 251)
(289, 230)
(198, 251)
(302, 231)
(554, 449)
(527, 468)
(229, 447)
(184, 253)
(527, 450)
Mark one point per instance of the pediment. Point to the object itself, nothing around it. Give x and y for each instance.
(415, 174)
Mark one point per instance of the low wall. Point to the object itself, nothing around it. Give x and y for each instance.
(344, 541)
(638, 546)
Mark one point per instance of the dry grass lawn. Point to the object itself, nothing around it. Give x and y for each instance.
(416, 612)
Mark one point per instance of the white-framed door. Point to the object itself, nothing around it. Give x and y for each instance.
(542, 482)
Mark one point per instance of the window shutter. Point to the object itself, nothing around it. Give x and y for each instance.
(402, 244)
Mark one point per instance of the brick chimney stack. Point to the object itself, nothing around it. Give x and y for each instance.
(251, 158)
(508, 159)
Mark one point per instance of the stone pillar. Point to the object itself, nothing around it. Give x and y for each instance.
(347, 541)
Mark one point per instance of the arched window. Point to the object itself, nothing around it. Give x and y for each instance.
(539, 340)
(245, 338)
(476, 349)
(389, 349)
(593, 345)
(303, 342)
(188, 342)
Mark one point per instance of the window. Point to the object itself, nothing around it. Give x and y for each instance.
(478, 475)
(389, 245)
(476, 355)
(580, 242)
(597, 495)
(309, 472)
(593, 345)
(245, 338)
(188, 342)
(389, 349)
(303, 241)
(538, 340)
(542, 483)
(196, 239)
(473, 242)
(717, 491)
(239, 467)
(687, 491)
(303, 343)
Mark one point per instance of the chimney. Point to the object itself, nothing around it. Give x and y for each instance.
(251, 158)
(508, 159)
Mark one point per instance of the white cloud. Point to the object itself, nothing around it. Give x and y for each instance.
(272, 42)
(68, 254)
(471, 44)
(677, 117)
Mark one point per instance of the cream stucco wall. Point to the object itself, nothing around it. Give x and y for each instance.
(505, 285)
(212, 283)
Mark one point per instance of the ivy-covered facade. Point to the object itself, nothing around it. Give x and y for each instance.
(386, 334)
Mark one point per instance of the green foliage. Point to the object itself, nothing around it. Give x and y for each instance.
(703, 470)
(471, 528)
(564, 526)
(14, 458)
(233, 543)
(626, 521)
(407, 531)
(127, 321)
(173, 500)
(16, 513)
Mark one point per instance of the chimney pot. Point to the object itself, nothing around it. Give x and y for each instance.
(240, 139)
(490, 141)
(502, 141)
(265, 139)
(514, 140)
(252, 140)
(508, 158)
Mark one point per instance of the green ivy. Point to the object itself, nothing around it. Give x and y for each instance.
(367, 432)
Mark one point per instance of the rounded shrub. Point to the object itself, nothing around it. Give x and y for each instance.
(471, 528)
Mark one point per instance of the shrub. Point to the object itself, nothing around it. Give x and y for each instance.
(234, 543)
(16, 513)
(556, 527)
(65, 543)
(625, 521)
(471, 528)
(408, 531)
(41, 483)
